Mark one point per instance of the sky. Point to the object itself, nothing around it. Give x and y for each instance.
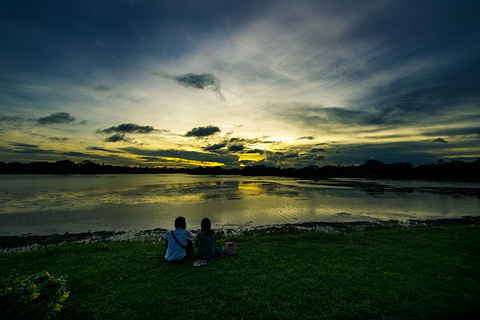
(237, 83)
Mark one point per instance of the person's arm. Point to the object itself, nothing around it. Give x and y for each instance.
(166, 246)
(165, 238)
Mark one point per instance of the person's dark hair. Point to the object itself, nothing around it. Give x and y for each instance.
(206, 225)
(180, 222)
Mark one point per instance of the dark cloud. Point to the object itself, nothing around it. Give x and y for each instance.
(102, 149)
(117, 137)
(25, 145)
(29, 149)
(57, 118)
(307, 138)
(58, 139)
(258, 151)
(318, 150)
(214, 147)
(202, 131)
(128, 128)
(440, 140)
(205, 81)
(236, 147)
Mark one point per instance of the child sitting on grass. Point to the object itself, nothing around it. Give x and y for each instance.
(205, 242)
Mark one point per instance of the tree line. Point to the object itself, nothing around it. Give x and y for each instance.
(453, 170)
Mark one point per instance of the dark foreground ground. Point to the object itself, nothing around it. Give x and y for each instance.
(389, 270)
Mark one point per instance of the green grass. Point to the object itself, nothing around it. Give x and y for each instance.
(396, 273)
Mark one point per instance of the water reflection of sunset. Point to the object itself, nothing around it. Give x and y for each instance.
(78, 203)
(250, 187)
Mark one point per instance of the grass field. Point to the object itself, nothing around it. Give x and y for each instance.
(385, 273)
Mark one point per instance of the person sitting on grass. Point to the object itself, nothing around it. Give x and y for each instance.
(179, 242)
(205, 242)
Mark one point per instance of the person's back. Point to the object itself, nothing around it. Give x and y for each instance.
(206, 241)
(177, 242)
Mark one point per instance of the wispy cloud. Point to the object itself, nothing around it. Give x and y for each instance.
(58, 139)
(206, 81)
(57, 118)
(16, 119)
(103, 87)
(128, 128)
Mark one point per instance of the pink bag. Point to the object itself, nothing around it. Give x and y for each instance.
(230, 248)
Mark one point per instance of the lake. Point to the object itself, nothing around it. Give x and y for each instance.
(50, 204)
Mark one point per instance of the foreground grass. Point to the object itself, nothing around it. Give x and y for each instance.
(400, 273)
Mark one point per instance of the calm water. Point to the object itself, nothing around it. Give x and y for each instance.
(47, 204)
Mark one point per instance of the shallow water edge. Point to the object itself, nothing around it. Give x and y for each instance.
(23, 243)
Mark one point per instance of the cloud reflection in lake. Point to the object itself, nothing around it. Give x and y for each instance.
(57, 204)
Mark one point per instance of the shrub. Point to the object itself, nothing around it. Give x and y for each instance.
(38, 296)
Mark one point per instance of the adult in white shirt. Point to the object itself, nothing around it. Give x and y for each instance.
(179, 242)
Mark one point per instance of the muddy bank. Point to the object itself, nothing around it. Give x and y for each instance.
(34, 242)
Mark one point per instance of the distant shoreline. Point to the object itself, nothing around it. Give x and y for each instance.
(33, 242)
(446, 171)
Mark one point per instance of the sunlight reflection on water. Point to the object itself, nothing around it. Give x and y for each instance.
(45, 204)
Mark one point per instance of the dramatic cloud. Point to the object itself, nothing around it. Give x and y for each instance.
(202, 131)
(128, 128)
(205, 81)
(57, 118)
(290, 83)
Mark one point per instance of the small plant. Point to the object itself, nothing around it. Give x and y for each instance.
(39, 296)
